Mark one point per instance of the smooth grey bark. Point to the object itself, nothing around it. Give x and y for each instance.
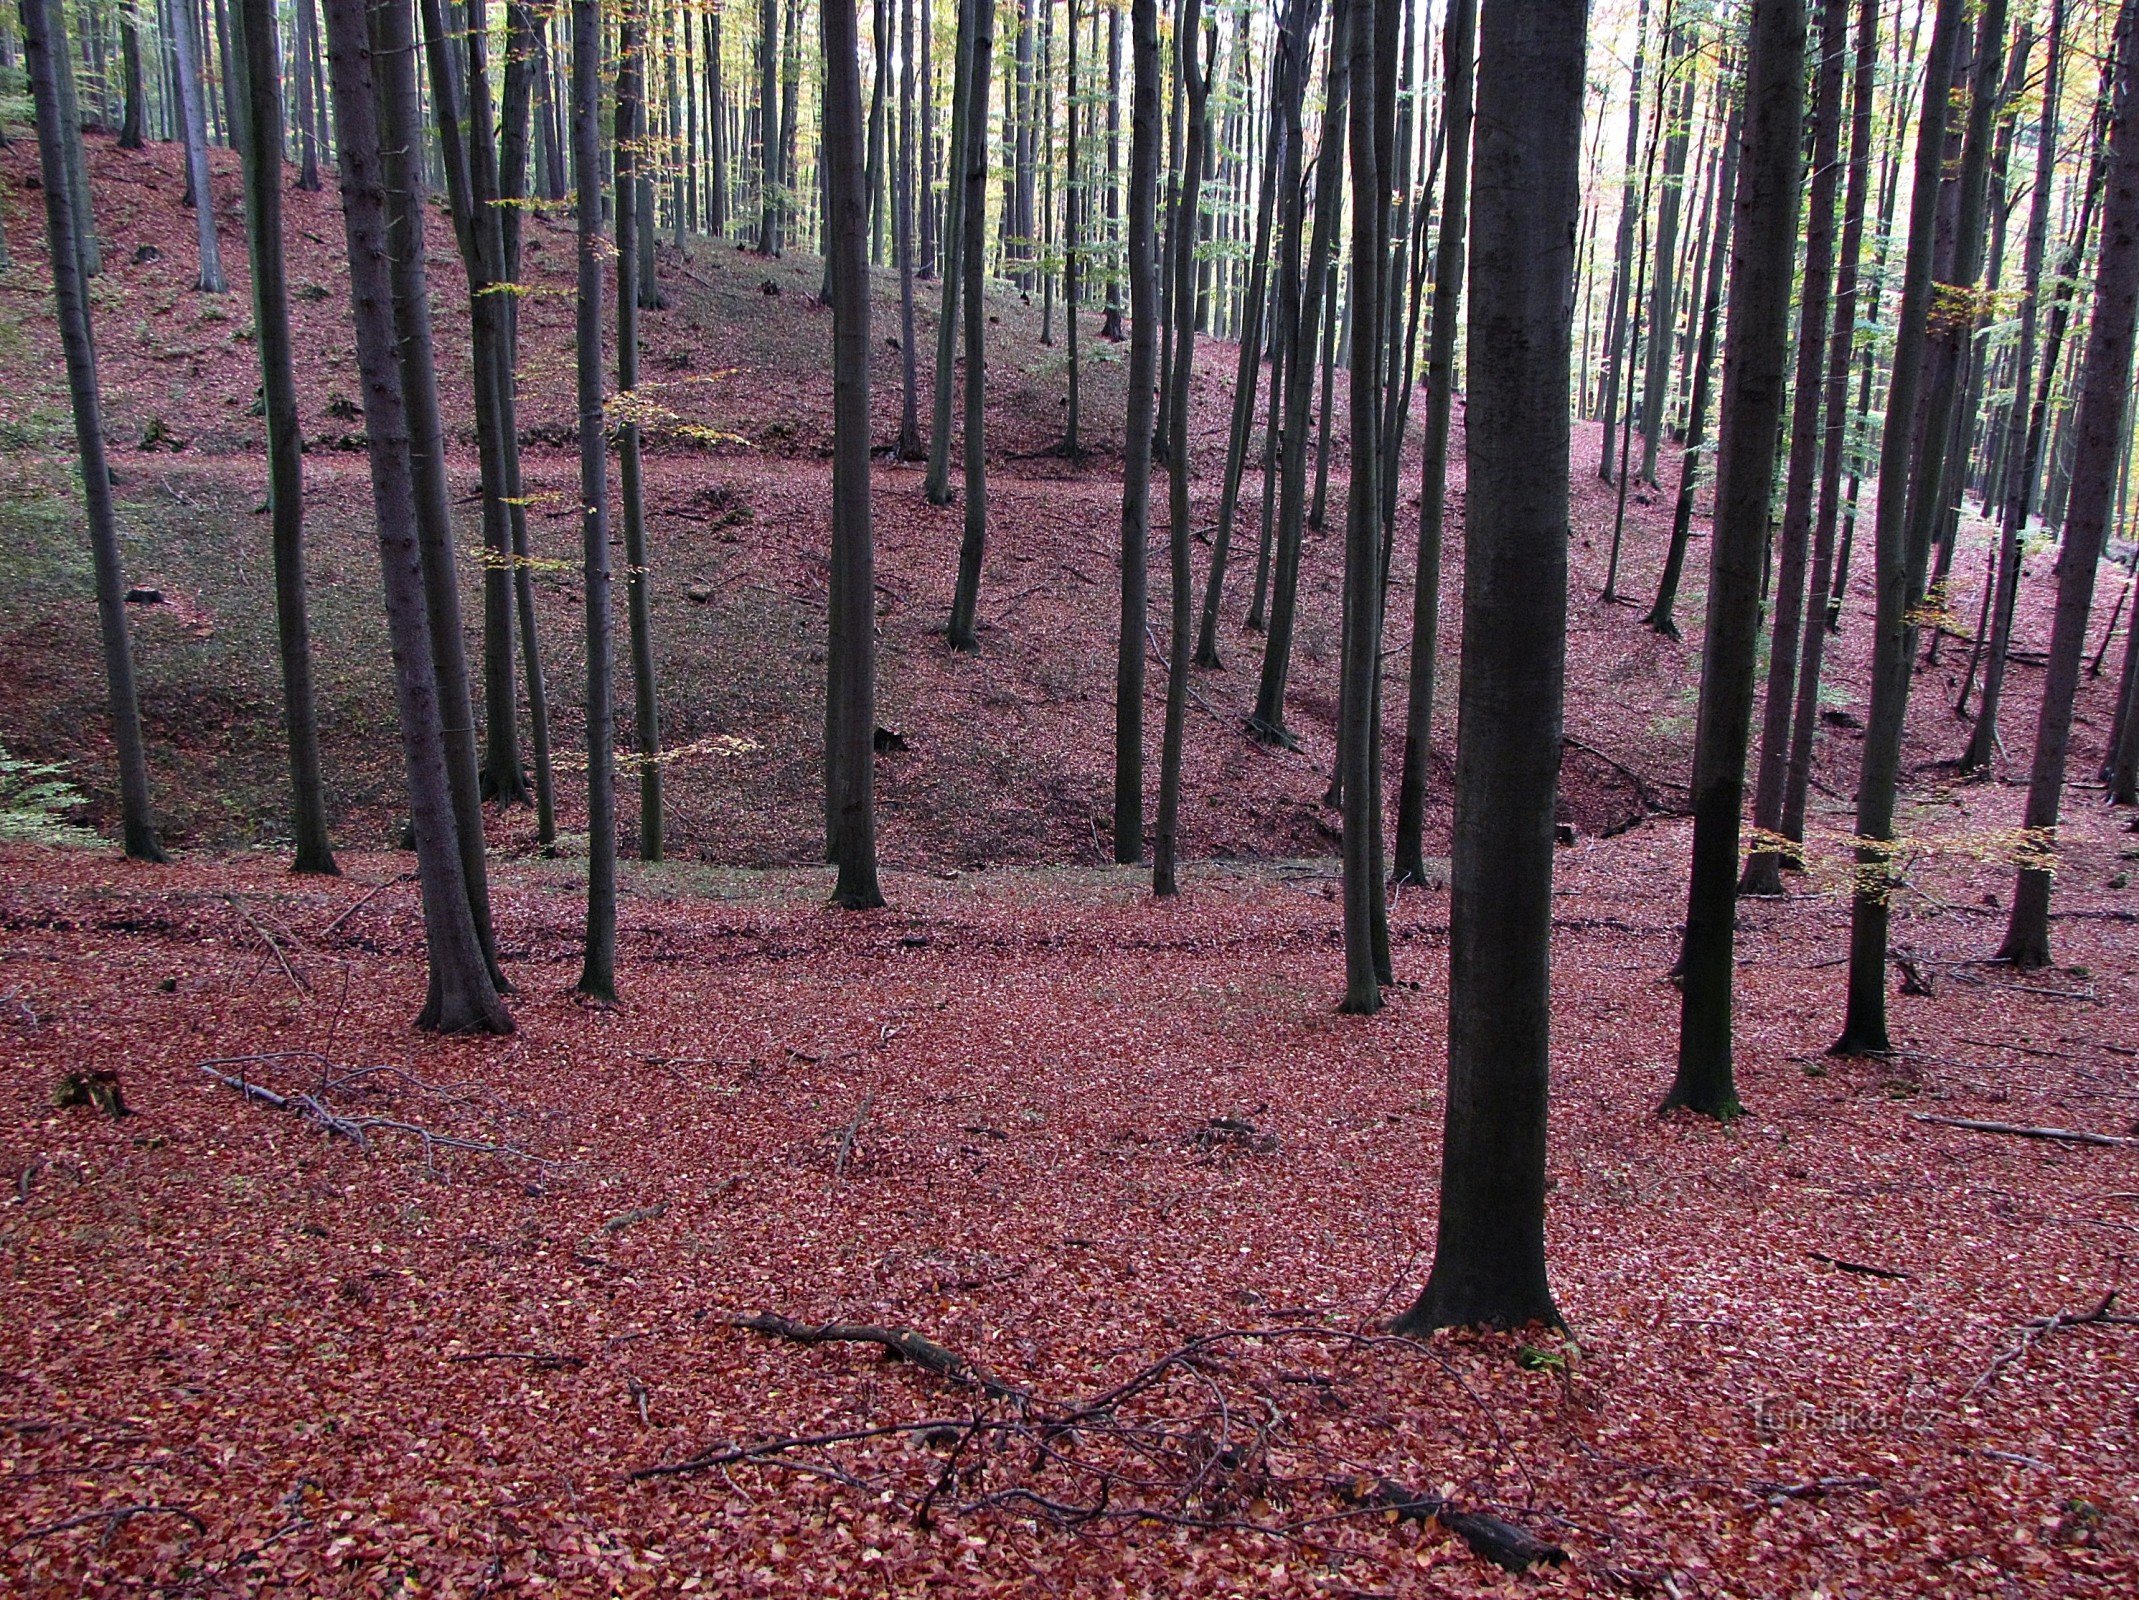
(260, 146)
(1136, 437)
(632, 234)
(937, 485)
(771, 178)
(131, 126)
(1898, 569)
(973, 215)
(185, 44)
(1755, 343)
(306, 30)
(850, 654)
(1192, 64)
(1459, 50)
(1763, 867)
(1663, 289)
(1073, 217)
(44, 56)
(1620, 304)
(902, 227)
(2098, 428)
(462, 997)
(597, 975)
(1489, 1248)
(1804, 729)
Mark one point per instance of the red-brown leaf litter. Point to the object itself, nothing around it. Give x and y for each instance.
(413, 1330)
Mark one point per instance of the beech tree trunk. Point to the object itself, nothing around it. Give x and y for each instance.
(902, 228)
(1459, 47)
(1137, 428)
(597, 976)
(1899, 570)
(186, 45)
(253, 22)
(1754, 351)
(972, 548)
(2099, 432)
(850, 654)
(632, 233)
(937, 486)
(462, 997)
(1489, 1251)
(44, 56)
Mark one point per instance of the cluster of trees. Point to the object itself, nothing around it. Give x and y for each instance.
(1337, 192)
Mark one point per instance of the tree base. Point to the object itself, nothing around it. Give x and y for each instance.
(1762, 878)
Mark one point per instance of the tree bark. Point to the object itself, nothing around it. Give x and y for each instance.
(186, 45)
(1489, 1253)
(632, 235)
(965, 602)
(44, 50)
(1137, 429)
(2098, 429)
(254, 24)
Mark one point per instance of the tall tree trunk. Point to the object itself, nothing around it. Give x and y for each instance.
(1663, 291)
(717, 129)
(1267, 722)
(1110, 325)
(1192, 64)
(1137, 428)
(260, 148)
(186, 45)
(1804, 728)
(597, 976)
(965, 601)
(462, 998)
(44, 49)
(1661, 614)
(770, 178)
(130, 130)
(1073, 212)
(1755, 343)
(850, 655)
(1899, 570)
(2098, 428)
(631, 233)
(909, 447)
(1458, 47)
(1763, 869)
(1615, 317)
(937, 486)
(1489, 1251)
(307, 31)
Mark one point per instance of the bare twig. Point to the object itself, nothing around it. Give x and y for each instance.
(853, 1130)
(2017, 1131)
(114, 1518)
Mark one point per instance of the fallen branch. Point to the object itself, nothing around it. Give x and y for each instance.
(540, 1359)
(2017, 1131)
(114, 1518)
(1857, 1266)
(853, 1131)
(359, 1129)
(1502, 1543)
(903, 1343)
(2036, 1327)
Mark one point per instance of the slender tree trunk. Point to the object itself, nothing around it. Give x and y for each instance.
(1663, 292)
(254, 24)
(1763, 869)
(1110, 325)
(130, 130)
(1459, 46)
(1615, 318)
(306, 29)
(850, 655)
(1193, 65)
(1267, 722)
(1073, 212)
(1137, 428)
(186, 45)
(2098, 428)
(1755, 343)
(597, 977)
(1489, 1252)
(965, 602)
(1804, 729)
(631, 139)
(909, 448)
(770, 177)
(1899, 571)
(44, 50)
(462, 998)
(937, 486)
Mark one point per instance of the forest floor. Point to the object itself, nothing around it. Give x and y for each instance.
(1069, 1134)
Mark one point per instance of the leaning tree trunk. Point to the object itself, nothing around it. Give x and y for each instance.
(1898, 571)
(965, 601)
(1489, 1251)
(632, 232)
(1136, 437)
(44, 52)
(850, 654)
(2098, 429)
(1754, 348)
(253, 24)
(1459, 46)
(1763, 869)
(597, 975)
(1193, 66)
(462, 997)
